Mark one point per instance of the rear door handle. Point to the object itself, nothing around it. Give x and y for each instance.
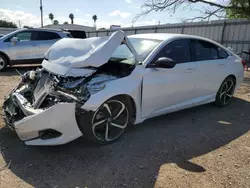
(189, 70)
(221, 65)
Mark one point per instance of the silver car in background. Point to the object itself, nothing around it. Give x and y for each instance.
(26, 46)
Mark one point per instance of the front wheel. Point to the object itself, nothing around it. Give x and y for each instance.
(108, 122)
(225, 93)
(3, 63)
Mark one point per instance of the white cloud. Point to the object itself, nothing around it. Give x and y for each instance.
(119, 13)
(88, 15)
(77, 10)
(24, 17)
(128, 1)
(34, 20)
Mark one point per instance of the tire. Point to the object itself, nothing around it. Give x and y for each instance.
(108, 122)
(225, 93)
(3, 63)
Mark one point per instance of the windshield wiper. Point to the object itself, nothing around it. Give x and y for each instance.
(117, 58)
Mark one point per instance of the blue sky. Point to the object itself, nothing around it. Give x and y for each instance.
(119, 12)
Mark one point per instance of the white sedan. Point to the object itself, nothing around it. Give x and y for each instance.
(96, 87)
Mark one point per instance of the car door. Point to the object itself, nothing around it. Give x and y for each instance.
(25, 48)
(211, 68)
(46, 40)
(166, 90)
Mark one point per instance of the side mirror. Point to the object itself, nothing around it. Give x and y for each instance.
(14, 40)
(162, 62)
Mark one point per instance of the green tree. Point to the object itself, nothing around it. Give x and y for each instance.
(216, 8)
(71, 17)
(55, 22)
(4, 23)
(51, 17)
(94, 18)
(239, 13)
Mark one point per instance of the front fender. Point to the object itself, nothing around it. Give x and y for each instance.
(130, 85)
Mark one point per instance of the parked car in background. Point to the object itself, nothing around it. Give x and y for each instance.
(96, 87)
(76, 33)
(26, 46)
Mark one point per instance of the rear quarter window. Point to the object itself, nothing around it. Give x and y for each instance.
(222, 53)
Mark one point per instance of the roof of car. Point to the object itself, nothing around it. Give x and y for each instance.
(165, 36)
(44, 29)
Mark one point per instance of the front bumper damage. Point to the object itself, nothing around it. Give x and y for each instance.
(53, 126)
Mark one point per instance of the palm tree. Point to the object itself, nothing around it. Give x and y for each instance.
(51, 17)
(71, 16)
(55, 22)
(94, 18)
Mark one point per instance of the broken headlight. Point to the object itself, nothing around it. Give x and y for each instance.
(93, 88)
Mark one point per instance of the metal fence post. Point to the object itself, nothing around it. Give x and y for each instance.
(182, 28)
(155, 29)
(135, 31)
(222, 32)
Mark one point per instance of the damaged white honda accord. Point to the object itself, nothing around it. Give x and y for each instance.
(96, 87)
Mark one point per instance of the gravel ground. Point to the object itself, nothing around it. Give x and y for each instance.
(204, 146)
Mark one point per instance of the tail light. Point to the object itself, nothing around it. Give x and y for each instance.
(243, 62)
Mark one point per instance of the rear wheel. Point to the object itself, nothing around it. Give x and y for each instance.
(108, 122)
(3, 63)
(225, 93)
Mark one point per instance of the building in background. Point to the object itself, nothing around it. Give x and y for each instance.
(71, 27)
(115, 26)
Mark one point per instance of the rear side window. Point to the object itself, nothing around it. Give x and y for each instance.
(203, 50)
(177, 50)
(222, 53)
(45, 35)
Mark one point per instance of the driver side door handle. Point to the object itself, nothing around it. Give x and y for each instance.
(189, 70)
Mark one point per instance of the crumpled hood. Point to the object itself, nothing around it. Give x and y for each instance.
(69, 57)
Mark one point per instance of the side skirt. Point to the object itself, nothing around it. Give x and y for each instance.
(26, 61)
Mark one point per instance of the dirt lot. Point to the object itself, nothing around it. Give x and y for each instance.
(204, 146)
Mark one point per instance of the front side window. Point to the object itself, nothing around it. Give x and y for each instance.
(177, 50)
(22, 36)
(45, 35)
(204, 50)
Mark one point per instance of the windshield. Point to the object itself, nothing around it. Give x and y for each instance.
(142, 46)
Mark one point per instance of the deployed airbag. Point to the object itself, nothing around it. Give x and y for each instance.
(90, 52)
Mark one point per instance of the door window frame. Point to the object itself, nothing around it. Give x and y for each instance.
(193, 50)
(157, 55)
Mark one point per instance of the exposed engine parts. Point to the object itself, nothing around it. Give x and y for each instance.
(40, 90)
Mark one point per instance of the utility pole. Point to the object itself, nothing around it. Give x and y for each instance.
(41, 9)
(19, 22)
